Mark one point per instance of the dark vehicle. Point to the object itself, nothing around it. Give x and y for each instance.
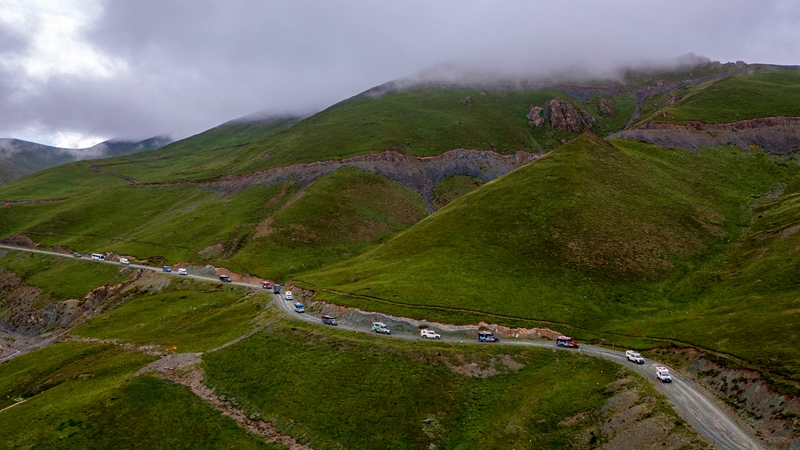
(166, 269)
(225, 278)
(276, 288)
(298, 307)
(565, 341)
(77, 255)
(328, 320)
(487, 336)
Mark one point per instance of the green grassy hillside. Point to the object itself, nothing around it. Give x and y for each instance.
(84, 396)
(749, 95)
(365, 392)
(339, 216)
(271, 230)
(595, 235)
(420, 121)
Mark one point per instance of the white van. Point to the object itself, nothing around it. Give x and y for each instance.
(98, 257)
(182, 272)
(124, 261)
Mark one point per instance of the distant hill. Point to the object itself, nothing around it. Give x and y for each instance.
(19, 158)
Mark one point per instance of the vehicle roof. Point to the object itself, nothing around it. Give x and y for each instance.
(564, 338)
(485, 332)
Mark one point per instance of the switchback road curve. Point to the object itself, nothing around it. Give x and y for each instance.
(710, 420)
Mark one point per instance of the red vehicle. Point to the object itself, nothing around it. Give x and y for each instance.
(566, 341)
(266, 284)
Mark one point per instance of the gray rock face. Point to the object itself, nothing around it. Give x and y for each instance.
(534, 117)
(420, 174)
(776, 135)
(564, 116)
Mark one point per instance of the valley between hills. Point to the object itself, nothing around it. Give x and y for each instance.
(657, 213)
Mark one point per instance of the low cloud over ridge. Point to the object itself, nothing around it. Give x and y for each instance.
(181, 67)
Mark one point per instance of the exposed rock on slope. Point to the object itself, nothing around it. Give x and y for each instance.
(534, 117)
(777, 135)
(418, 174)
(22, 315)
(564, 116)
(606, 106)
(772, 416)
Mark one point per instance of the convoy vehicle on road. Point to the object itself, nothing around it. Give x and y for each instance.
(124, 261)
(289, 295)
(182, 271)
(662, 373)
(429, 334)
(487, 336)
(166, 269)
(276, 288)
(566, 341)
(380, 327)
(298, 307)
(225, 278)
(266, 284)
(77, 255)
(634, 357)
(98, 257)
(328, 320)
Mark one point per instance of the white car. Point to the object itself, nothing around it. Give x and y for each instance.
(380, 327)
(182, 272)
(429, 334)
(634, 357)
(662, 373)
(124, 261)
(289, 295)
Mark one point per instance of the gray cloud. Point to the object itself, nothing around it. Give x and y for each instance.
(194, 64)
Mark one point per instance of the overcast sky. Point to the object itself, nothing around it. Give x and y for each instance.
(76, 72)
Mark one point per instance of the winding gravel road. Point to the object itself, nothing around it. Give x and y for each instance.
(702, 412)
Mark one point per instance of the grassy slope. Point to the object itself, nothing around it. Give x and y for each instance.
(72, 179)
(83, 396)
(745, 300)
(189, 316)
(175, 222)
(453, 187)
(420, 122)
(61, 278)
(594, 235)
(738, 97)
(336, 218)
(368, 392)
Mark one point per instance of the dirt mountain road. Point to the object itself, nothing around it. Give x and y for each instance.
(701, 411)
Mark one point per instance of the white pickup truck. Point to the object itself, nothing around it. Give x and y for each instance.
(662, 373)
(429, 334)
(633, 356)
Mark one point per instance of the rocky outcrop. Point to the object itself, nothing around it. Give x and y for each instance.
(606, 106)
(20, 311)
(564, 116)
(777, 135)
(18, 241)
(534, 117)
(420, 174)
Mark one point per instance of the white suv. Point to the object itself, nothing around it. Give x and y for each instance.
(429, 334)
(634, 357)
(662, 373)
